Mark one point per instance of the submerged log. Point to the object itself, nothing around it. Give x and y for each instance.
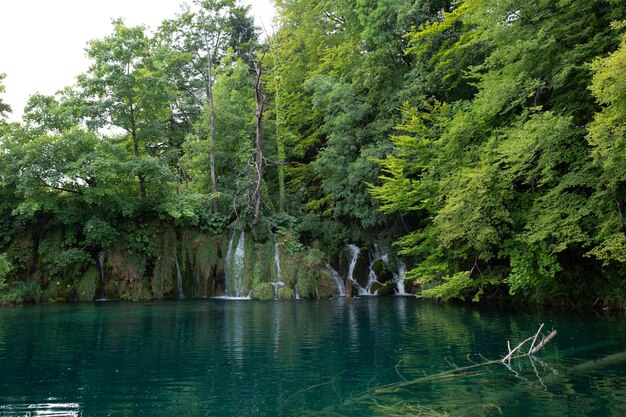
(383, 391)
(513, 354)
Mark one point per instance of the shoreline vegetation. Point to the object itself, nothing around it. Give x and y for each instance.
(467, 150)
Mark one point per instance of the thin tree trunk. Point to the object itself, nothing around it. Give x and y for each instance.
(211, 128)
(280, 139)
(260, 105)
(133, 132)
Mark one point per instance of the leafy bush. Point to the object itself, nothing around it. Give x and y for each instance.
(24, 292)
(70, 257)
(6, 269)
(99, 233)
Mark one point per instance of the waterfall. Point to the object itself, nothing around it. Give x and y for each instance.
(229, 257)
(296, 291)
(277, 261)
(278, 283)
(354, 256)
(101, 268)
(233, 269)
(341, 288)
(376, 254)
(238, 266)
(179, 280)
(276, 286)
(399, 279)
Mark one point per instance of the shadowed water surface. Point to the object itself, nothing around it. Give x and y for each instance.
(248, 358)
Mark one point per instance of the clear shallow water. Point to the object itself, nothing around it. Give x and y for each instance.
(248, 358)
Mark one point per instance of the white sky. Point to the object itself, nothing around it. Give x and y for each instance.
(42, 42)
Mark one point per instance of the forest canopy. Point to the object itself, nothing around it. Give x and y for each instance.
(484, 140)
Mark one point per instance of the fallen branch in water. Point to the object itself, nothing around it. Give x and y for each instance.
(533, 349)
(386, 399)
(514, 353)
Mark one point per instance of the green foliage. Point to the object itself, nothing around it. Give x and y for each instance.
(485, 137)
(455, 286)
(21, 292)
(13, 290)
(607, 136)
(533, 269)
(68, 258)
(6, 270)
(4, 108)
(100, 233)
(493, 171)
(142, 238)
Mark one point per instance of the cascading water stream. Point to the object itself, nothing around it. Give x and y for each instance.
(233, 270)
(341, 288)
(238, 266)
(353, 252)
(279, 282)
(101, 269)
(376, 254)
(279, 274)
(296, 291)
(398, 277)
(276, 286)
(229, 256)
(179, 280)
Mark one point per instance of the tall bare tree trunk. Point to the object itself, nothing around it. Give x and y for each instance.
(133, 133)
(280, 139)
(258, 160)
(211, 128)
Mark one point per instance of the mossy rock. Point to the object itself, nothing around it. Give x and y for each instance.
(386, 289)
(263, 291)
(382, 271)
(286, 293)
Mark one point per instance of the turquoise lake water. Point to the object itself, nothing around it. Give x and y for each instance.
(300, 358)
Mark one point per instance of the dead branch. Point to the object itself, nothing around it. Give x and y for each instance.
(456, 371)
(532, 345)
(543, 342)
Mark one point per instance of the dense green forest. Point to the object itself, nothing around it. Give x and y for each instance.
(484, 140)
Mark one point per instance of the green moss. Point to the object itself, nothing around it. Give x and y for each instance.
(249, 262)
(307, 269)
(21, 252)
(325, 283)
(164, 275)
(263, 265)
(124, 276)
(54, 291)
(87, 286)
(386, 289)
(263, 291)
(290, 268)
(382, 271)
(206, 258)
(201, 261)
(286, 293)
